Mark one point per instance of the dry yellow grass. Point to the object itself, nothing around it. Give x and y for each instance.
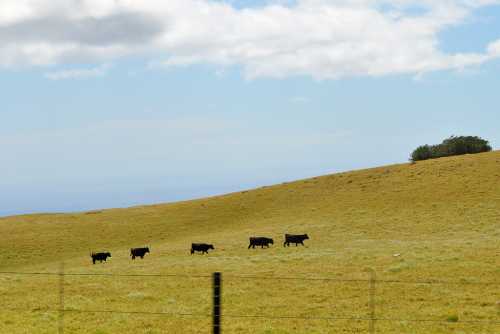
(441, 216)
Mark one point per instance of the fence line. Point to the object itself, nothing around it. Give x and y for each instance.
(329, 279)
(101, 274)
(255, 316)
(217, 283)
(168, 314)
(363, 319)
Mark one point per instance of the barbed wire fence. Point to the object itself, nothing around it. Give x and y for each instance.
(217, 301)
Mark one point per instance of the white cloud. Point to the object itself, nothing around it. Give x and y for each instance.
(81, 73)
(494, 49)
(319, 38)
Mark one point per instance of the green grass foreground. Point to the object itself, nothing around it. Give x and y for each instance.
(442, 217)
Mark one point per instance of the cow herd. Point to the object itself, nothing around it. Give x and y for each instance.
(204, 248)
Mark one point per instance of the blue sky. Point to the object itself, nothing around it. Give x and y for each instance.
(252, 93)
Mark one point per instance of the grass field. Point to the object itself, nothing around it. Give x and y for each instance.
(441, 216)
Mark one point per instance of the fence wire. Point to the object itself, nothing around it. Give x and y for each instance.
(63, 310)
(253, 277)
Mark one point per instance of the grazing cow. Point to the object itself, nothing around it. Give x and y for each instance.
(203, 248)
(100, 257)
(138, 252)
(295, 239)
(260, 241)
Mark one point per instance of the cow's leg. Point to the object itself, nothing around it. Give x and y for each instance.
(93, 261)
(133, 257)
(142, 256)
(249, 246)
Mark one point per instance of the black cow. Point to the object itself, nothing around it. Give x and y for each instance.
(100, 257)
(203, 248)
(295, 239)
(138, 252)
(260, 241)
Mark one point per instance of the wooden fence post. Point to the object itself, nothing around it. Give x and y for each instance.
(61, 299)
(217, 284)
(373, 280)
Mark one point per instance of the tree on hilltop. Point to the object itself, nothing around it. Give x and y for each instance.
(455, 145)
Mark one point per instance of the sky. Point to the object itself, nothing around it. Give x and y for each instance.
(114, 103)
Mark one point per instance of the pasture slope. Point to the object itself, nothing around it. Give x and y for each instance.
(441, 216)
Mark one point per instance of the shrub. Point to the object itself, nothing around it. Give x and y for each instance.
(451, 146)
(422, 153)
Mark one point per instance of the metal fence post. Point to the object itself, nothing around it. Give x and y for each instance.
(373, 280)
(61, 299)
(217, 283)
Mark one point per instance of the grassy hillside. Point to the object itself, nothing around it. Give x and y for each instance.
(441, 216)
